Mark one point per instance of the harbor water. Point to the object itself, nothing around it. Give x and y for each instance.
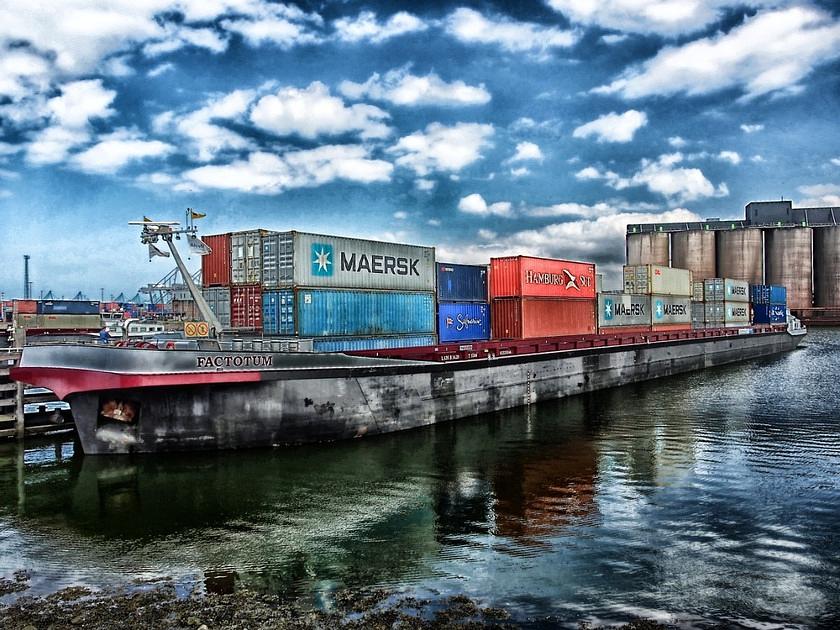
(711, 498)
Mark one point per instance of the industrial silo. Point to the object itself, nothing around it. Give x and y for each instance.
(740, 255)
(648, 248)
(694, 250)
(827, 267)
(788, 260)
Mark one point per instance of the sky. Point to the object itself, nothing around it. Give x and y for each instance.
(482, 129)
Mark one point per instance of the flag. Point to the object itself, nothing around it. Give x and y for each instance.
(147, 219)
(154, 251)
(197, 246)
(197, 215)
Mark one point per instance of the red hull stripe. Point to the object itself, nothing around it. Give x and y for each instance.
(66, 381)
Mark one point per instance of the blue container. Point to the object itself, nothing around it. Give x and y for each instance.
(351, 313)
(463, 321)
(347, 344)
(279, 312)
(769, 313)
(778, 295)
(461, 283)
(67, 307)
(768, 294)
(759, 294)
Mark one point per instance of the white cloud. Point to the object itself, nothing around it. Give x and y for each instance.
(770, 52)
(400, 215)
(434, 222)
(757, 158)
(751, 128)
(614, 38)
(677, 142)
(424, 184)
(275, 30)
(80, 101)
(599, 239)
(820, 195)
(613, 127)
(116, 150)
(472, 27)
(205, 138)
(529, 126)
(69, 117)
(475, 204)
(835, 161)
(519, 172)
(526, 151)
(160, 69)
(365, 27)
(267, 174)
(661, 176)
(663, 17)
(729, 156)
(313, 112)
(400, 87)
(486, 235)
(441, 148)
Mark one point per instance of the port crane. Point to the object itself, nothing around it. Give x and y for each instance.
(168, 232)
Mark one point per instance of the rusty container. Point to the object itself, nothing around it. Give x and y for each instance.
(526, 318)
(215, 266)
(527, 276)
(246, 307)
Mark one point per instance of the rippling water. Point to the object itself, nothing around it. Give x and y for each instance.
(707, 498)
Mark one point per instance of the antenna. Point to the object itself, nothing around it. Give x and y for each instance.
(27, 286)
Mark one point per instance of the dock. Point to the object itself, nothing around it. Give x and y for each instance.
(28, 411)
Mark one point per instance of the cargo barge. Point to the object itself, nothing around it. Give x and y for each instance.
(145, 400)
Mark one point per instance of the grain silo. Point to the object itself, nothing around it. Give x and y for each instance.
(788, 260)
(740, 255)
(649, 248)
(694, 250)
(827, 267)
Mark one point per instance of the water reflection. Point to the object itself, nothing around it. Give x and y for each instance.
(709, 496)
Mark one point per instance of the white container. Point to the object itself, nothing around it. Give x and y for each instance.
(669, 309)
(323, 261)
(736, 313)
(656, 279)
(246, 256)
(736, 290)
(623, 309)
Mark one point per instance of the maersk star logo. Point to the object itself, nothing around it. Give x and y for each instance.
(322, 259)
(608, 309)
(660, 309)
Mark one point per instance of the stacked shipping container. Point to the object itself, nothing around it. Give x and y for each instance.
(668, 291)
(345, 293)
(769, 304)
(463, 310)
(541, 297)
(726, 303)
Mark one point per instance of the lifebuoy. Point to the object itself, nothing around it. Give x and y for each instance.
(170, 345)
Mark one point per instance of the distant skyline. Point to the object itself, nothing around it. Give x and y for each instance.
(480, 128)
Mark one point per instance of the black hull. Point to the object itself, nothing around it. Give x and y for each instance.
(294, 407)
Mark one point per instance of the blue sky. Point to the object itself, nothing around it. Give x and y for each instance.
(479, 128)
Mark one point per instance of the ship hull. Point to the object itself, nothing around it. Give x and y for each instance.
(344, 402)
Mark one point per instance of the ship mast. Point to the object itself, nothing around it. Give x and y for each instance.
(169, 232)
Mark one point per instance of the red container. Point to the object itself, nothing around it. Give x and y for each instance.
(27, 307)
(623, 330)
(246, 306)
(525, 318)
(525, 276)
(215, 266)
